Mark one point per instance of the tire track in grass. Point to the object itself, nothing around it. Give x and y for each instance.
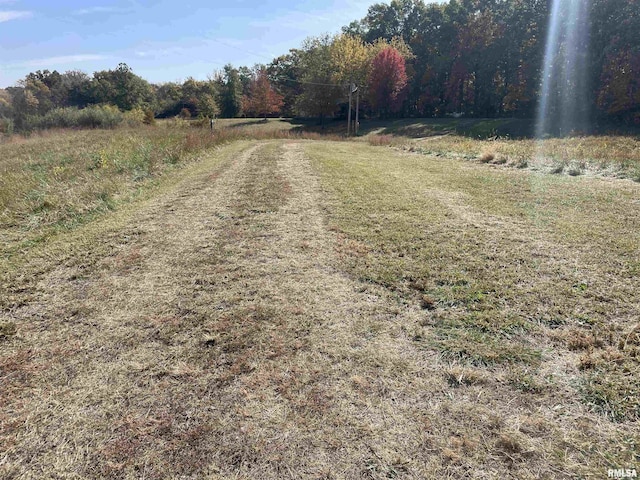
(215, 338)
(331, 410)
(100, 341)
(220, 338)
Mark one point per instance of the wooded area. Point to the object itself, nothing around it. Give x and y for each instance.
(477, 58)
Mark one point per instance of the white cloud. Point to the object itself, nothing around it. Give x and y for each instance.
(160, 52)
(61, 60)
(7, 15)
(98, 10)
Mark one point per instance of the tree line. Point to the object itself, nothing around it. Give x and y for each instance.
(479, 58)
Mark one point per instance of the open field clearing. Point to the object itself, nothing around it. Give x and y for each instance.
(285, 308)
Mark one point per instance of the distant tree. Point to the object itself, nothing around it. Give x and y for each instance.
(6, 112)
(480, 51)
(285, 74)
(517, 93)
(320, 94)
(355, 29)
(168, 99)
(246, 76)
(120, 87)
(459, 88)
(351, 59)
(77, 87)
(190, 92)
(47, 87)
(230, 92)
(6, 107)
(399, 19)
(208, 105)
(200, 97)
(23, 104)
(388, 81)
(262, 99)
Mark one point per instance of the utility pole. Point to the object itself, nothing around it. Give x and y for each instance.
(349, 114)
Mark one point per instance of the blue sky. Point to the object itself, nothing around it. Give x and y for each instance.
(161, 40)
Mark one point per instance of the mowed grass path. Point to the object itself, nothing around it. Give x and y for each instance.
(530, 290)
(294, 309)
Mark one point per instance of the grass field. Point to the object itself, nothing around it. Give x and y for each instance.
(266, 303)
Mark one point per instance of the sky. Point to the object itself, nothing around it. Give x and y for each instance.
(161, 40)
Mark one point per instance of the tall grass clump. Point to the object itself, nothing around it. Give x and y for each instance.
(98, 116)
(381, 140)
(6, 126)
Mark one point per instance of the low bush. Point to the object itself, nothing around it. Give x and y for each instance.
(6, 126)
(100, 116)
(134, 117)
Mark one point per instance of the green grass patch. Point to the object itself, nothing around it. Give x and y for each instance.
(482, 349)
(503, 257)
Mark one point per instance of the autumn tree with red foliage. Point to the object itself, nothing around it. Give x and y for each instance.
(388, 81)
(262, 100)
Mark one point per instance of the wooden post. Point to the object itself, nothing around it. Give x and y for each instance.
(349, 113)
(357, 110)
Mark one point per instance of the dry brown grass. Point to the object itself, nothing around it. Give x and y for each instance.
(609, 156)
(293, 309)
(195, 332)
(56, 181)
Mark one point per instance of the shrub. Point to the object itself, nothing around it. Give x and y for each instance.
(185, 113)
(380, 140)
(6, 126)
(135, 116)
(100, 116)
(202, 122)
(149, 117)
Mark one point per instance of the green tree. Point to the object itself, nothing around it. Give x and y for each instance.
(285, 74)
(168, 99)
(77, 87)
(230, 92)
(400, 18)
(121, 87)
(320, 93)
